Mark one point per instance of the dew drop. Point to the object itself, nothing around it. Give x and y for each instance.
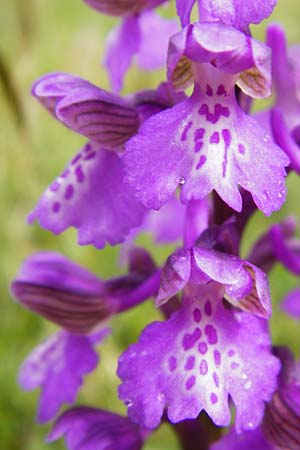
(248, 385)
(266, 137)
(181, 180)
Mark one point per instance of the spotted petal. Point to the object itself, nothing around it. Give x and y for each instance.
(58, 366)
(195, 360)
(202, 144)
(90, 195)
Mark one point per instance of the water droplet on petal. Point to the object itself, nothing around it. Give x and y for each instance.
(181, 180)
(128, 402)
(250, 425)
(266, 137)
(248, 385)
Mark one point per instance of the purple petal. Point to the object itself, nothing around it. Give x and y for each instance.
(281, 424)
(100, 116)
(284, 139)
(237, 13)
(291, 304)
(58, 366)
(184, 9)
(262, 253)
(175, 275)
(225, 48)
(283, 252)
(206, 142)
(155, 34)
(122, 43)
(87, 428)
(285, 75)
(63, 292)
(167, 224)
(53, 87)
(195, 360)
(249, 440)
(90, 195)
(246, 286)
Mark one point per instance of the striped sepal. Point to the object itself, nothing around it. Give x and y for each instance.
(75, 312)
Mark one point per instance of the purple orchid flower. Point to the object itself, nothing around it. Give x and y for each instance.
(142, 33)
(73, 298)
(207, 142)
(95, 176)
(90, 428)
(201, 354)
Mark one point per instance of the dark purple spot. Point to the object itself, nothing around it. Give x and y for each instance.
(201, 162)
(56, 207)
(215, 138)
(222, 110)
(65, 173)
(203, 367)
(197, 315)
(90, 156)
(227, 141)
(208, 308)
(209, 90)
(189, 339)
(54, 186)
(216, 379)
(202, 347)
(217, 357)
(172, 362)
(211, 334)
(213, 398)
(87, 148)
(190, 363)
(234, 365)
(190, 382)
(185, 130)
(230, 353)
(198, 146)
(199, 133)
(76, 159)
(69, 192)
(79, 174)
(242, 149)
(221, 90)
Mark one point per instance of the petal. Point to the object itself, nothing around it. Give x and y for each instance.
(175, 275)
(195, 360)
(155, 34)
(63, 292)
(226, 48)
(284, 139)
(291, 304)
(237, 13)
(58, 366)
(283, 251)
(206, 142)
(184, 9)
(87, 428)
(246, 286)
(90, 195)
(262, 253)
(122, 43)
(102, 117)
(248, 440)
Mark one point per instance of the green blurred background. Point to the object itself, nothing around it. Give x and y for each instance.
(65, 35)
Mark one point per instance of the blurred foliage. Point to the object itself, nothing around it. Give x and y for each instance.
(65, 35)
